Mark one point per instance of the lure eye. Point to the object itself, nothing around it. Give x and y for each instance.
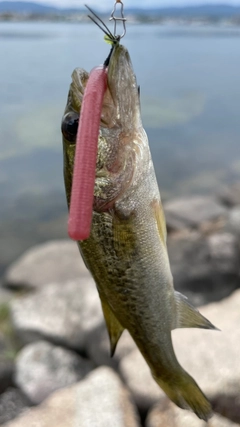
(70, 126)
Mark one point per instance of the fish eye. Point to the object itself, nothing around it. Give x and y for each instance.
(70, 126)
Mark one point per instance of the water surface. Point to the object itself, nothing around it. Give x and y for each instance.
(190, 94)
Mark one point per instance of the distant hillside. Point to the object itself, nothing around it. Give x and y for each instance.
(220, 10)
(202, 10)
(30, 7)
(25, 7)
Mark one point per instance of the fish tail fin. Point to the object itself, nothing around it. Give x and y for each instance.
(186, 394)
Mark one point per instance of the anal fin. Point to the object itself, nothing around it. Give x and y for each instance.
(115, 329)
(188, 316)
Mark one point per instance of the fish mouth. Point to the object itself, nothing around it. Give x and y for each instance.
(123, 87)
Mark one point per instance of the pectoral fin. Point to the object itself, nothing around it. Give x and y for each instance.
(114, 328)
(188, 316)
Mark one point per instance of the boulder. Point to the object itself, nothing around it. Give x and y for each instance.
(6, 373)
(137, 376)
(205, 268)
(191, 212)
(98, 347)
(233, 221)
(42, 368)
(100, 400)
(230, 196)
(62, 314)
(56, 261)
(12, 404)
(6, 364)
(211, 357)
(224, 253)
(169, 415)
(5, 295)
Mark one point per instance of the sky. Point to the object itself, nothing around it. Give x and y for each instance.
(108, 4)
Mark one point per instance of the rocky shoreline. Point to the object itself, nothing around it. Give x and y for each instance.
(55, 368)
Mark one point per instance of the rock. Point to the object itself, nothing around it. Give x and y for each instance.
(105, 401)
(6, 365)
(42, 368)
(55, 261)
(190, 212)
(62, 314)
(6, 373)
(98, 347)
(212, 358)
(230, 196)
(137, 376)
(224, 254)
(233, 221)
(5, 295)
(100, 400)
(205, 268)
(169, 415)
(12, 404)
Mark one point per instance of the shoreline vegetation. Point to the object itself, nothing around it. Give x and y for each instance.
(132, 18)
(202, 14)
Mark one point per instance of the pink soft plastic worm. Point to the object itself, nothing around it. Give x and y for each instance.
(80, 215)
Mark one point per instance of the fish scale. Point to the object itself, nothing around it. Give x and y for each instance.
(126, 252)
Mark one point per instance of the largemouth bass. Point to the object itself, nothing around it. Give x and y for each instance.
(126, 252)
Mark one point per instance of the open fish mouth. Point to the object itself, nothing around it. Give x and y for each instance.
(123, 87)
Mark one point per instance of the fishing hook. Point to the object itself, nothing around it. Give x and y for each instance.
(100, 24)
(121, 18)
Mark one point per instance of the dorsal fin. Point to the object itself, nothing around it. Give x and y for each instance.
(188, 316)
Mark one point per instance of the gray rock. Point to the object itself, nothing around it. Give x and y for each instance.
(6, 365)
(6, 373)
(55, 261)
(5, 295)
(137, 376)
(212, 358)
(190, 212)
(105, 401)
(224, 254)
(62, 314)
(100, 400)
(230, 196)
(169, 415)
(205, 268)
(12, 404)
(233, 221)
(98, 347)
(42, 368)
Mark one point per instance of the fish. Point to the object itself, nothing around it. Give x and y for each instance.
(126, 251)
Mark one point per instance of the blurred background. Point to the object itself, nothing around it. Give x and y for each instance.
(186, 56)
(187, 64)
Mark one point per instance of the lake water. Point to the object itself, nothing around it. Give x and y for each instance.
(190, 95)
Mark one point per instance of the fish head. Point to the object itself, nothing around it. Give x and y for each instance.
(122, 90)
(123, 150)
(121, 135)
